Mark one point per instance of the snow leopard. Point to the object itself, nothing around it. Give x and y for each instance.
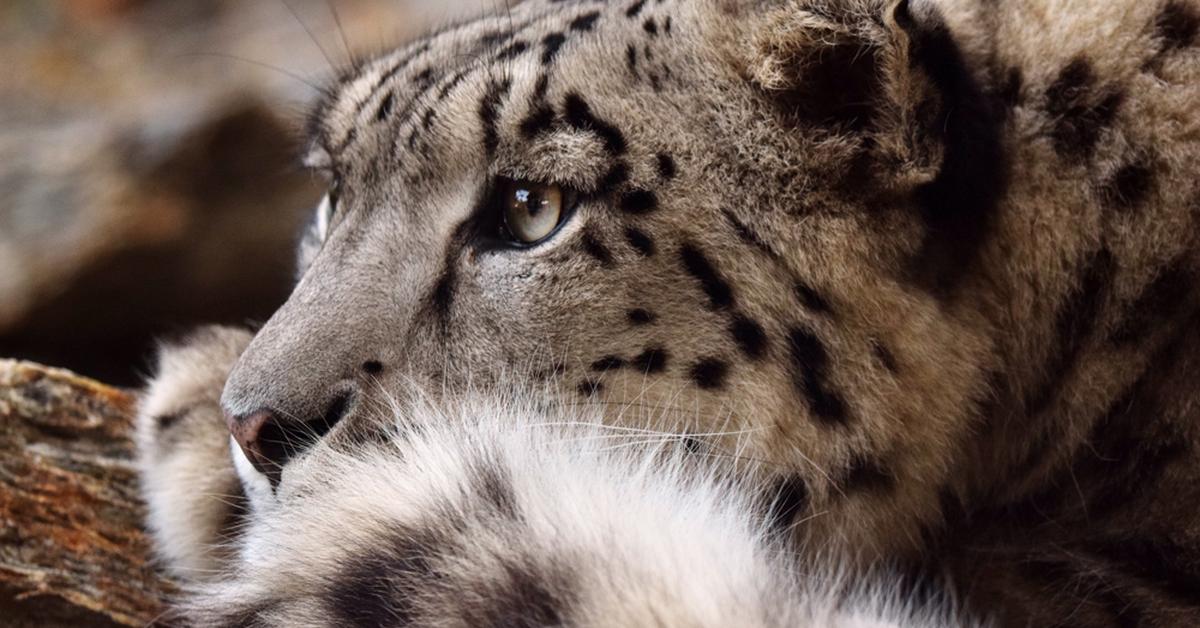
(715, 313)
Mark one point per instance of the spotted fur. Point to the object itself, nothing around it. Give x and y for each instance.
(911, 284)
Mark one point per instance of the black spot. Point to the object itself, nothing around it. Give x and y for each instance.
(1177, 26)
(866, 474)
(639, 202)
(749, 336)
(590, 388)
(1129, 186)
(585, 22)
(697, 264)
(489, 108)
(639, 316)
(631, 59)
(579, 115)
(512, 50)
(694, 445)
(386, 107)
(788, 500)
(550, 45)
(1079, 114)
(525, 598)
(635, 8)
(666, 166)
(374, 587)
(615, 176)
(652, 360)
(810, 363)
(810, 298)
(1074, 324)
(541, 87)
(640, 242)
(594, 247)
(650, 26)
(1158, 303)
(372, 367)
(538, 121)
(427, 121)
(709, 373)
(959, 206)
(608, 363)
(495, 487)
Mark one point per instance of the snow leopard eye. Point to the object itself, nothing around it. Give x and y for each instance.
(531, 211)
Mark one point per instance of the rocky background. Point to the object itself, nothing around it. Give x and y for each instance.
(148, 163)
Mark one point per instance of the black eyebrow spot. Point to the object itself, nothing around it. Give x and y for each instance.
(634, 9)
(585, 21)
(550, 45)
(650, 26)
(538, 121)
(579, 115)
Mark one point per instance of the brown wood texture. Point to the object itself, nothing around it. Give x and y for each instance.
(72, 548)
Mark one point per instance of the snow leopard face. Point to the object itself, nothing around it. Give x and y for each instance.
(638, 208)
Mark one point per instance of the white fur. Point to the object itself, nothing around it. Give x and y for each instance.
(649, 536)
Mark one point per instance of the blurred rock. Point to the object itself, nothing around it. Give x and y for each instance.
(149, 156)
(72, 549)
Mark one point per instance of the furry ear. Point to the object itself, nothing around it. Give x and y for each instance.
(889, 77)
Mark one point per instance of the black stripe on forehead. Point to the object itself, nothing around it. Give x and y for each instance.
(504, 46)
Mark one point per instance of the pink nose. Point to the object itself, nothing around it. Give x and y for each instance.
(270, 441)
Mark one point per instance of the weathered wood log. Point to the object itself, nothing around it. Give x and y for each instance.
(72, 548)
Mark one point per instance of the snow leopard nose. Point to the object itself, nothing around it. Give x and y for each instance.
(269, 438)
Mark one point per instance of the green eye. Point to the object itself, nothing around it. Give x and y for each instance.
(532, 211)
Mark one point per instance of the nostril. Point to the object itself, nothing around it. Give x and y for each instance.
(270, 440)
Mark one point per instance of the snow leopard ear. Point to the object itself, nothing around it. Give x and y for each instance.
(827, 62)
(887, 69)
